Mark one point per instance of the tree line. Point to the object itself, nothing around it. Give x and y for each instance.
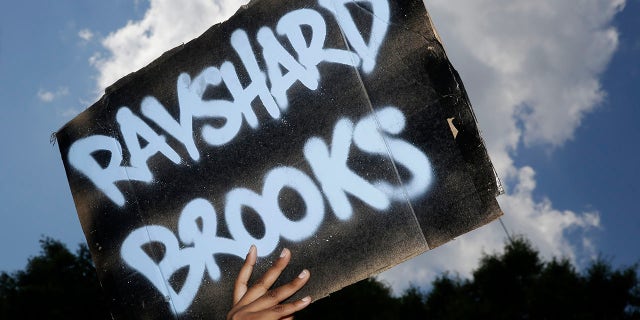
(514, 284)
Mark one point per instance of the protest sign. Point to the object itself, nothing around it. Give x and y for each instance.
(334, 128)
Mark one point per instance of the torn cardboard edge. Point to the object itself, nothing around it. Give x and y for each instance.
(467, 139)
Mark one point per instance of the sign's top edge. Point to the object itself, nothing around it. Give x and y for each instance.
(155, 62)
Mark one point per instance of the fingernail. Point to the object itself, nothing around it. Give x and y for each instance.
(306, 299)
(303, 274)
(284, 253)
(251, 249)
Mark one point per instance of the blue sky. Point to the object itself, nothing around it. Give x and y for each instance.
(40, 53)
(599, 168)
(558, 109)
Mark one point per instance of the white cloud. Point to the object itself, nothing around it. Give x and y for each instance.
(532, 70)
(85, 34)
(48, 96)
(165, 25)
(545, 226)
(68, 113)
(534, 62)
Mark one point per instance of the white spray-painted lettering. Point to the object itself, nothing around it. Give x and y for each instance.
(197, 243)
(133, 128)
(201, 242)
(391, 121)
(80, 156)
(336, 179)
(190, 92)
(367, 50)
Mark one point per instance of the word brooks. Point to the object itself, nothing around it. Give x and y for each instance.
(197, 225)
(192, 106)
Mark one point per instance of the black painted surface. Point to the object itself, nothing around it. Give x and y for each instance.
(412, 73)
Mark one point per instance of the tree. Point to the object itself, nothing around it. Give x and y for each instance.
(412, 304)
(519, 285)
(56, 284)
(516, 284)
(367, 299)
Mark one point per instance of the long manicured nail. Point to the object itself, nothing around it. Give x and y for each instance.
(284, 253)
(303, 274)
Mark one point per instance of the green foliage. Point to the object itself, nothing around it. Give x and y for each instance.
(56, 284)
(367, 299)
(412, 304)
(516, 284)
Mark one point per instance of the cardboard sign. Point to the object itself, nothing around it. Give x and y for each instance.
(334, 128)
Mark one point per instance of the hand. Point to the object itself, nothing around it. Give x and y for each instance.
(259, 302)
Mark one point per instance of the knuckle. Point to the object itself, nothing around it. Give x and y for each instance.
(273, 294)
(279, 308)
(234, 316)
(260, 284)
(295, 284)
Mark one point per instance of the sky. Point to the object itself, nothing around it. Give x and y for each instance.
(555, 88)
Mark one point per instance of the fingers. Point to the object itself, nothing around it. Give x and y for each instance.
(267, 280)
(258, 302)
(281, 311)
(241, 285)
(275, 296)
(277, 312)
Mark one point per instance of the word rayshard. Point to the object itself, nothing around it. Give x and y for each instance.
(335, 128)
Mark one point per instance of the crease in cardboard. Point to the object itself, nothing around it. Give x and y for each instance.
(457, 100)
(378, 126)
